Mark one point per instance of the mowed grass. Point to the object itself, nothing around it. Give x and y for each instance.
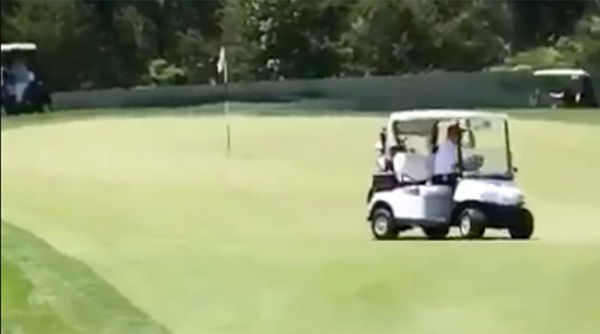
(272, 239)
(46, 292)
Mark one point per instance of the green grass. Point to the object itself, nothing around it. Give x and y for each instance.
(46, 292)
(273, 238)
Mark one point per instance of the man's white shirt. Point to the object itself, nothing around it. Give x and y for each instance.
(445, 158)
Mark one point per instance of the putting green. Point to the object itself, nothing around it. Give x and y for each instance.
(273, 238)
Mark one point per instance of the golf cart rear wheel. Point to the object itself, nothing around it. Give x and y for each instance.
(471, 223)
(383, 226)
(522, 228)
(436, 233)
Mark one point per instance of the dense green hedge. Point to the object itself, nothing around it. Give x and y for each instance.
(431, 90)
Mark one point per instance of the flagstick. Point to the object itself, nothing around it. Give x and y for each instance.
(226, 111)
(222, 67)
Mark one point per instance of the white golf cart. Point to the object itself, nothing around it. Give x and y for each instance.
(482, 194)
(563, 87)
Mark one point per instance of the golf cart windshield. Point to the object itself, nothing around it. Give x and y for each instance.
(484, 148)
(555, 84)
(17, 59)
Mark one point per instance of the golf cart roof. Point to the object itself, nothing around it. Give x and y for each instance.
(557, 72)
(443, 114)
(18, 47)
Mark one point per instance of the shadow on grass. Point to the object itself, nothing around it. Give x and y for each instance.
(422, 238)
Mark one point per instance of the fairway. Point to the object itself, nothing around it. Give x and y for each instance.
(273, 238)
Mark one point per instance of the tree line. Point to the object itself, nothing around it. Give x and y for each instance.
(105, 43)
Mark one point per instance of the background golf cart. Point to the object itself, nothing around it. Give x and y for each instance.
(403, 196)
(22, 91)
(566, 88)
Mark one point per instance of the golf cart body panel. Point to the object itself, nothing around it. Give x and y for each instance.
(417, 203)
(483, 188)
(497, 192)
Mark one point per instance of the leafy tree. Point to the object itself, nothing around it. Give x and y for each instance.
(59, 33)
(288, 38)
(535, 22)
(389, 37)
(163, 73)
(107, 43)
(580, 49)
(181, 32)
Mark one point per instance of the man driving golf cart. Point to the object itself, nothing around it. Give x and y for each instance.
(442, 177)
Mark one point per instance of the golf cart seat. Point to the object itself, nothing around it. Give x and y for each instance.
(411, 167)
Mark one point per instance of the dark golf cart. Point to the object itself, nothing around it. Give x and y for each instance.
(22, 91)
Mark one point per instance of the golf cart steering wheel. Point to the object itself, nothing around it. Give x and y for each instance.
(473, 163)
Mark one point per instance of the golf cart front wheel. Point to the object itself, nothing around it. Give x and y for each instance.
(522, 228)
(383, 226)
(436, 233)
(471, 223)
